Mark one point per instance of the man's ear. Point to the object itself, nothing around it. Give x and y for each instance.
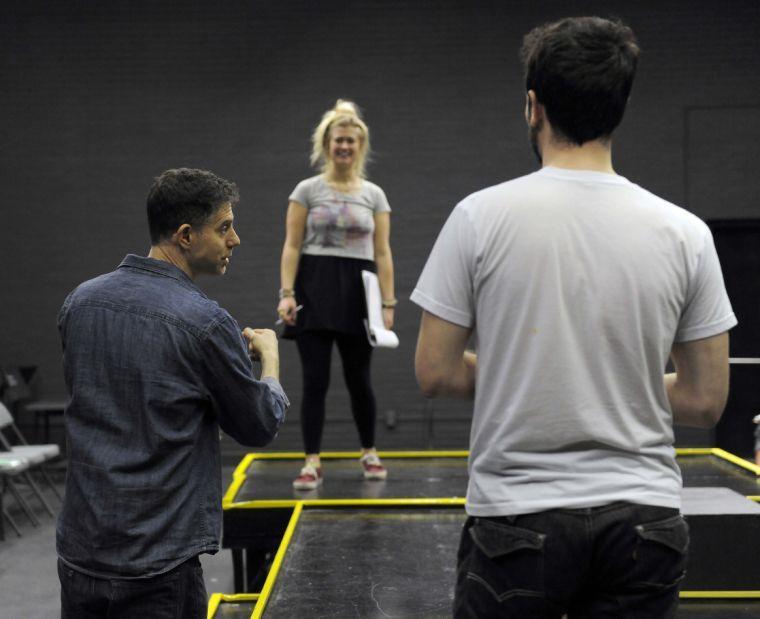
(534, 111)
(183, 236)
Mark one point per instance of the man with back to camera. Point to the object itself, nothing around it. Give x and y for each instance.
(154, 368)
(581, 286)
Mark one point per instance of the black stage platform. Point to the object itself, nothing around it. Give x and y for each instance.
(718, 609)
(265, 479)
(230, 608)
(388, 548)
(380, 562)
(234, 606)
(409, 478)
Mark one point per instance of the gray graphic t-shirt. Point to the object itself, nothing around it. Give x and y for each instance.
(339, 224)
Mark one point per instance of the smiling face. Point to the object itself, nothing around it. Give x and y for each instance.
(212, 243)
(344, 146)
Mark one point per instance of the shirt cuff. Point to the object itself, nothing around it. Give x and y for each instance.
(276, 387)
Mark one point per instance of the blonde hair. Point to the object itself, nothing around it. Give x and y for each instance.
(344, 114)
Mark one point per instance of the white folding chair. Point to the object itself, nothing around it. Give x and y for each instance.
(36, 455)
(10, 466)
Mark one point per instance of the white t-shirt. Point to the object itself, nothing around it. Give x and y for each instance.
(340, 224)
(577, 284)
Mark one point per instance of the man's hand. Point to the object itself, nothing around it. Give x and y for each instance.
(262, 345)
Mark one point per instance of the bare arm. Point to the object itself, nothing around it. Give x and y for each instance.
(384, 262)
(699, 387)
(295, 227)
(441, 363)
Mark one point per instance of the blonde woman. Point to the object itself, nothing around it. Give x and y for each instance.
(338, 224)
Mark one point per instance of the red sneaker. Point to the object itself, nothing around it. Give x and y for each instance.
(373, 467)
(310, 478)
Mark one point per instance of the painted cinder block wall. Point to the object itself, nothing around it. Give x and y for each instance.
(97, 98)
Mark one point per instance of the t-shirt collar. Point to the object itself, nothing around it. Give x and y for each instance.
(583, 175)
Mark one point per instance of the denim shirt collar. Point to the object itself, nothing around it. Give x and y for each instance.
(159, 267)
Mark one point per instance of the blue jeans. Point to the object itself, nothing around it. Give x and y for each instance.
(180, 592)
(617, 560)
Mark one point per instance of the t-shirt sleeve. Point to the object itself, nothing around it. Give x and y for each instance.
(380, 201)
(445, 287)
(301, 193)
(708, 309)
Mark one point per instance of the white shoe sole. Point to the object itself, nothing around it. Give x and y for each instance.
(307, 485)
(376, 476)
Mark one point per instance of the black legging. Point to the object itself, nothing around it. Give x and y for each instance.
(315, 349)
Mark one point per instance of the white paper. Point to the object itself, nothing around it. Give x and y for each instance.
(376, 332)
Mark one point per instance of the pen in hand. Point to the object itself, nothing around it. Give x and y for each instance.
(280, 320)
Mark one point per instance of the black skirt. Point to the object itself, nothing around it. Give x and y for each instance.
(332, 294)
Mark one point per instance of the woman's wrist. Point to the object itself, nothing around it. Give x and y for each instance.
(286, 292)
(390, 303)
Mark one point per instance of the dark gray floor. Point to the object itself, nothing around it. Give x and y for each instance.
(29, 586)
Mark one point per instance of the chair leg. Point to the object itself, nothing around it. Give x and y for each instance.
(12, 522)
(36, 491)
(50, 483)
(24, 505)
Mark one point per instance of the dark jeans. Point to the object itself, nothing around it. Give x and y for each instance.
(179, 593)
(315, 349)
(618, 560)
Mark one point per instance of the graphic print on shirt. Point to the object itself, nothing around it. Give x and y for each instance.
(340, 224)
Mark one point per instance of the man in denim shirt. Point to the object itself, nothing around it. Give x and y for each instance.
(155, 368)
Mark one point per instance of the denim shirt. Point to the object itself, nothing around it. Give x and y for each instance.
(154, 369)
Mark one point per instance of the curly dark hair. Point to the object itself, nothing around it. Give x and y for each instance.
(186, 196)
(582, 70)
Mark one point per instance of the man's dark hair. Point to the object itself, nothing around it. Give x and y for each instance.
(185, 196)
(582, 70)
